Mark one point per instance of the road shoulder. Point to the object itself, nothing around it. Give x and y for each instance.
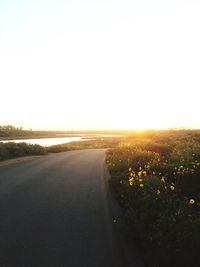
(125, 246)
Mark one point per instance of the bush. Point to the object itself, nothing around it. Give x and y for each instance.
(14, 150)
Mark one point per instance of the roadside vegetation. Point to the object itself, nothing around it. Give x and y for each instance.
(156, 180)
(15, 150)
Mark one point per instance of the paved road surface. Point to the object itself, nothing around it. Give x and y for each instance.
(53, 212)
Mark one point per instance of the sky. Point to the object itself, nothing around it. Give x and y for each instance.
(100, 64)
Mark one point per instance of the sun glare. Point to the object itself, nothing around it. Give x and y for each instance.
(80, 71)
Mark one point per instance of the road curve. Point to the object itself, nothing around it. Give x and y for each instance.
(53, 212)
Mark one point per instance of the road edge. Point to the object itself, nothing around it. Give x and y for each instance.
(126, 249)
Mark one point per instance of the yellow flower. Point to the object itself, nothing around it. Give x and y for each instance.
(131, 180)
(192, 201)
(145, 173)
(158, 192)
(172, 187)
(132, 174)
(163, 179)
(140, 180)
(129, 169)
(139, 174)
(141, 185)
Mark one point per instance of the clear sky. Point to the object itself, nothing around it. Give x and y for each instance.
(100, 64)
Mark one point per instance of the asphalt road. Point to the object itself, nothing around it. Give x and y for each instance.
(53, 212)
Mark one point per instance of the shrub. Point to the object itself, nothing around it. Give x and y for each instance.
(13, 150)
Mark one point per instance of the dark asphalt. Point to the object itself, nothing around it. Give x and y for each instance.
(53, 212)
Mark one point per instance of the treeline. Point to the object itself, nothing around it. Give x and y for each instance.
(15, 150)
(11, 132)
